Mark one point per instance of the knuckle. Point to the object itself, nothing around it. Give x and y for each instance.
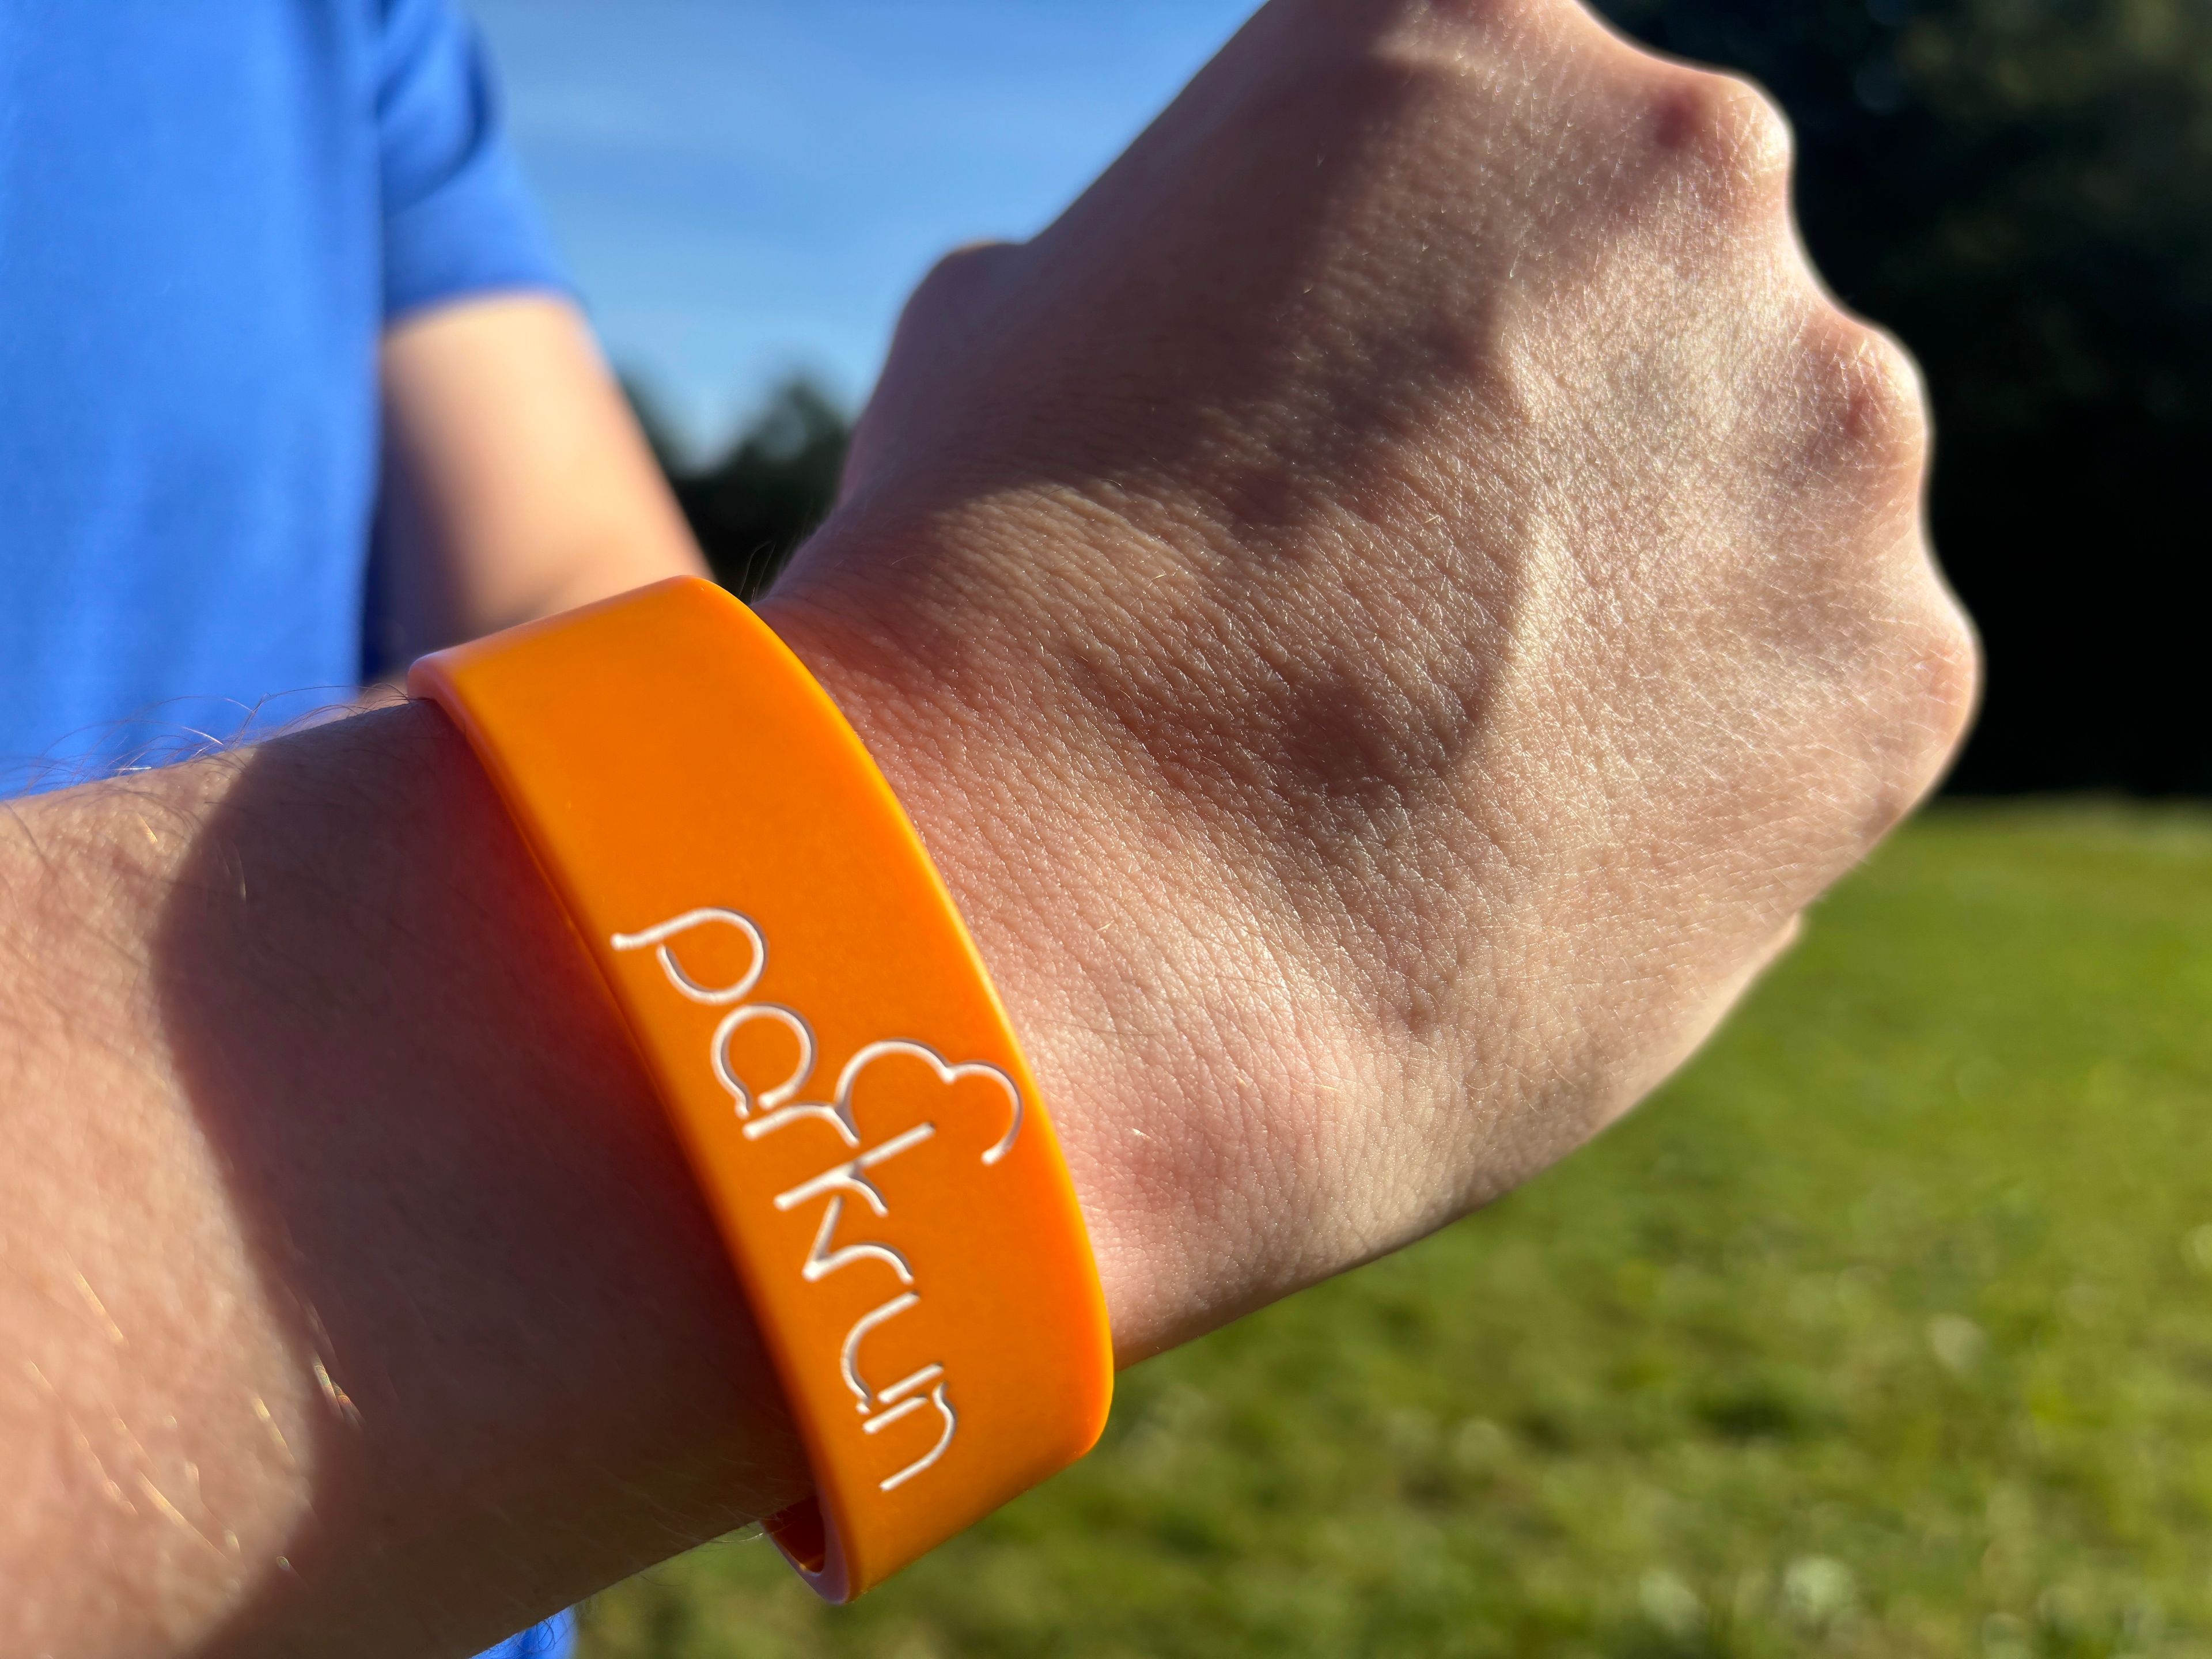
(1478, 15)
(1870, 408)
(957, 277)
(1925, 683)
(1948, 662)
(1485, 18)
(1726, 133)
(950, 300)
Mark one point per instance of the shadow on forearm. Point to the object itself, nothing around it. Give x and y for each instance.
(533, 1371)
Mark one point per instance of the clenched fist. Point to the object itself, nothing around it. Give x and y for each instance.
(1386, 613)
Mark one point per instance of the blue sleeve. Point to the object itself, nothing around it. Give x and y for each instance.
(456, 218)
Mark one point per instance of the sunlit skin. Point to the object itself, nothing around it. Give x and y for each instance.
(1385, 615)
(516, 482)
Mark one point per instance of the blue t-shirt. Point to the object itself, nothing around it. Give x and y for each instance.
(208, 213)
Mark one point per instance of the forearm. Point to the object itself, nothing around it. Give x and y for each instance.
(516, 482)
(354, 1295)
(353, 1291)
(1376, 708)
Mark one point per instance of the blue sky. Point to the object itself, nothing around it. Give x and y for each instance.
(748, 187)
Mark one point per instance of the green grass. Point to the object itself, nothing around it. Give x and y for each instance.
(1886, 1329)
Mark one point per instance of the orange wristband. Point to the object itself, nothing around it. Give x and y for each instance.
(830, 1049)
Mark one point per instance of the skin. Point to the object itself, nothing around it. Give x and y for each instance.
(517, 484)
(1385, 615)
(1385, 679)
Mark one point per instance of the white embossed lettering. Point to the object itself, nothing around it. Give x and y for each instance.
(945, 1073)
(847, 1176)
(892, 1483)
(821, 1261)
(725, 1074)
(849, 1356)
(657, 938)
(766, 1110)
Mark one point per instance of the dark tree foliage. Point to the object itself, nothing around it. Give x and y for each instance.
(751, 508)
(2022, 190)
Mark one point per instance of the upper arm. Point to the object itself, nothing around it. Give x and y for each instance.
(456, 219)
(515, 481)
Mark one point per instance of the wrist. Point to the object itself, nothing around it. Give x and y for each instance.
(975, 708)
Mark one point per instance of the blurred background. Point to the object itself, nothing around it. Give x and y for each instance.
(1888, 1329)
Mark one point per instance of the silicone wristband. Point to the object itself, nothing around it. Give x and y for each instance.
(829, 1046)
